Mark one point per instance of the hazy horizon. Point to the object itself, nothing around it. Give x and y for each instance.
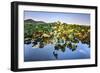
(70, 18)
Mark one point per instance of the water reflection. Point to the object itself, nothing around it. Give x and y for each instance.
(39, 51)
(55, 54)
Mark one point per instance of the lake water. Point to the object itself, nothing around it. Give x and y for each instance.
(48, 52)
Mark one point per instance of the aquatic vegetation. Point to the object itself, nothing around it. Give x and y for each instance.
(62, 35)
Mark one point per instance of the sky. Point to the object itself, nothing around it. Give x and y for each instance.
(71, 18)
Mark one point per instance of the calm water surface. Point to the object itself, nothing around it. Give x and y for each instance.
(48, 52)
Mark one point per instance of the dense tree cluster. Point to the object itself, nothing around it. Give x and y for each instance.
(60, 34)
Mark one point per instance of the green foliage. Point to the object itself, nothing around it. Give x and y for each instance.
(60, 34)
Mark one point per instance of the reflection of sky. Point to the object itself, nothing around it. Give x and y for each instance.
(75, 18)
(46, 53)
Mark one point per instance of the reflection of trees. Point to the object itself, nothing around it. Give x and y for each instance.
(55, 54)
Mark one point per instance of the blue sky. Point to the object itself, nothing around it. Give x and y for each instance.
(74, 18)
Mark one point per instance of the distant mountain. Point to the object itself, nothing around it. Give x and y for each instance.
(33, 21)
